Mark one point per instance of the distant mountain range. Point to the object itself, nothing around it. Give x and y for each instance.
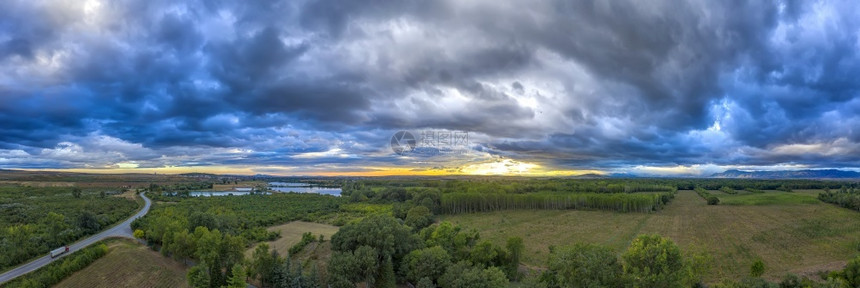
(795, 174)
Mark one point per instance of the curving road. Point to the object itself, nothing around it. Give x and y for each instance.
(121, 230)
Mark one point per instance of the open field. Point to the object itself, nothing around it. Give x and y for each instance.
(40, 184)
(789, 231)
(291, 233)
(770, 197)
(127, 194)
(129, 264)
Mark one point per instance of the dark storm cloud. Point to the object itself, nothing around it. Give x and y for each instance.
(305, 83)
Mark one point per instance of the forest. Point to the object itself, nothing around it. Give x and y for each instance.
(55, 272)
(28, 231)
(390, 233)
(235, 215)
(215, 231)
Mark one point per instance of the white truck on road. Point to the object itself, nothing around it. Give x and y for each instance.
(59, 251)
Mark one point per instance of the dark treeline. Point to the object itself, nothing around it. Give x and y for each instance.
(848, 197)
(742, 184)
(730, 190)
(465, 195)
(517, 185)
(712, 200)
(531, 185)
(483, 195)
(178, 187)
(454, 203)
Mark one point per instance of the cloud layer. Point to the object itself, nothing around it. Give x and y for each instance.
(320, 86)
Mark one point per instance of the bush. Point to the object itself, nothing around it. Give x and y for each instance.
(851, 273)
(463, 275)
(307, 238)
(842, 198)
(584, 265)
(427, 263)
(713, 200)
(419, 217)
(654, 261)
(757, 268)
(728, 190)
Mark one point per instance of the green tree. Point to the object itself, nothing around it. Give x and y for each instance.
(425, 283)
(457, 242)
(515, 248)
(387, 278)
(219, 252)
(263, 263)
(198, 277)
(368, 263)
(419, 217)
(654, 261)
(851, 273)
(484, 254)
(88, 222)
(382, 234)
(182, 246)
(204, 219)
(429, 263)
(76, 192)
(237, 277)
(343, 270)
(584, 265)
(464, 275)
(55, 224)
(138, 234)
(283, 276)
(757, 268)
(313, 278)
(713, 200)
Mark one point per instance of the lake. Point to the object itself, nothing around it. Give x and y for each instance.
(275, 186)
(218, 193)
(303, 188)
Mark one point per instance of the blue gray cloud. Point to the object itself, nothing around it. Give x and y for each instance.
(316, 85)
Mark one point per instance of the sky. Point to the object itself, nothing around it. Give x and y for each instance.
(660, 88)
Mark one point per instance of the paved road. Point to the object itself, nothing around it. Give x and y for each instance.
(121, 230)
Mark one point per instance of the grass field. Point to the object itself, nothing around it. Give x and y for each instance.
(769, 198)
(787, 230)
(129, 264)
(291, 233)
